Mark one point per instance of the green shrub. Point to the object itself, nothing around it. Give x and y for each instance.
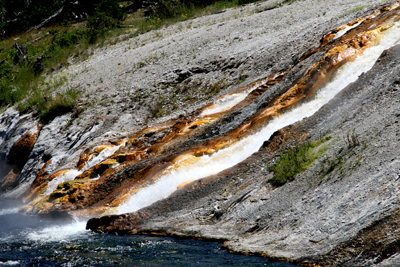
(295, 161)
(108, 15)
(68, 38)
(58, 105)
(41, 99)
(243, 2)
(47, 106)
(111, 9)
(290, 163)
(174, 8)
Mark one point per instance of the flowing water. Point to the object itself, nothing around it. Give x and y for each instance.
(225, 158)
(26, 240)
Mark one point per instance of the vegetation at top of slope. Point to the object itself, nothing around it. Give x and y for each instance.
(17, 16)
(295, 161)
(174, 8)
(27, 60)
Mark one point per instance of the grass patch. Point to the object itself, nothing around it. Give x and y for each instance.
(296, 161)
(26, 59)
(356, 9)
(353, 10)
(215, 88)
(47, 105)
(171, 12)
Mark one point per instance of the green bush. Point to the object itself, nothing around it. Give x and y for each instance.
(108, 15)
(67, 39)
(58, 105)
(47, 106)
(243, 2)
(174, 8)
(111, 9)
(295, 161)
(290, 163)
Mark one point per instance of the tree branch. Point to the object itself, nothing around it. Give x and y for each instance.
(47, 20)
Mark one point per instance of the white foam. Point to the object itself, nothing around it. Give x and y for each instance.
(228, 157)
(229, 101)
(152, 244)
(345, 30)
(225, 103)
(63, 233)
(10, 263)
(9, 211)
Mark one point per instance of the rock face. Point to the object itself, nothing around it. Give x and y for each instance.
(322, 217)
(341, 211)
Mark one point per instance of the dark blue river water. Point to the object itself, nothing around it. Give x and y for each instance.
(26, 240)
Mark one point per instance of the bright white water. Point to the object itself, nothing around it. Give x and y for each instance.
(225, 103)
(346, 29)
(228, 157)
(59, 233)
(9, 211)
(229, 101)
(10, 263)
(71, 174)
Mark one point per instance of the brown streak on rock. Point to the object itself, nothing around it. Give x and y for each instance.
(21, 150)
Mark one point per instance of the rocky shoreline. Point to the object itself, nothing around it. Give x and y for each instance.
(340, 211)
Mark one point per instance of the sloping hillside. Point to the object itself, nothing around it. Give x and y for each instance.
(306, 78)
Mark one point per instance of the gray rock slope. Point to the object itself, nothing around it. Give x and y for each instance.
(315, 219)
(123, 84)
(324, 217)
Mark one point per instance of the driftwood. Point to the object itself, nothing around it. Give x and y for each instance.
(40, 38)
(47, 20)
(138, 4)
(126, 26)
(21, 49)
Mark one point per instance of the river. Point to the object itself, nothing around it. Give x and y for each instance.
(28, 240)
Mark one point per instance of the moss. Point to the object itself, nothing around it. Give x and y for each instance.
(63, 190)
(57, 194)
(97, 170)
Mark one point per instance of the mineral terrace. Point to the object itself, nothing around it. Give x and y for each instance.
(153, 105)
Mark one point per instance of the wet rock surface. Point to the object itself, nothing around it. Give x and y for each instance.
(341, 210)
(333, 216)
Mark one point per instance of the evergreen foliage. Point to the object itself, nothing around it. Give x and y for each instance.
(20, 15)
